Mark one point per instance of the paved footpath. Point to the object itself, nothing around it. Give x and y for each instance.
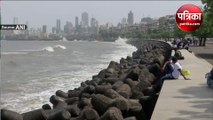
(186, 99)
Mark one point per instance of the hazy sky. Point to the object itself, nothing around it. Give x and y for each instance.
(39, 13)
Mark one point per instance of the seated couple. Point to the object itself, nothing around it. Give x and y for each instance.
(173, 70)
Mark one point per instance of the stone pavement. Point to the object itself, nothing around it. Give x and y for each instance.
(186, 99)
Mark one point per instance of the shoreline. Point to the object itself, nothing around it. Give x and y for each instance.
(125, 88)
(117, 50)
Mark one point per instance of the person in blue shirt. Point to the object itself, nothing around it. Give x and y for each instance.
(174, 72)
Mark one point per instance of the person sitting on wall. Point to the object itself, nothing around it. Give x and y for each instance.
(180, 45)
(186, 44)
(174, 44)
(173, 73)
(178, 55)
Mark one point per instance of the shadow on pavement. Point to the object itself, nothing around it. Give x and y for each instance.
(205, 55)
(201, 97)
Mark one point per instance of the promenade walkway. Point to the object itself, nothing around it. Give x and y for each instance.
(186, 99)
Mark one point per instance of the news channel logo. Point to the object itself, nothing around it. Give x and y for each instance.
(189, 17)
(13, 27)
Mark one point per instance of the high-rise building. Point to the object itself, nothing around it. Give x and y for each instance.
(93, 22)
(85, 19)
(76, 22)
(58, 26)
(68, 27)
(53, 30)
(44, 29)
(94, 26)
(130, 18)
(123, 21)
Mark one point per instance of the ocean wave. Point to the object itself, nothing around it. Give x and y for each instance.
(31, 100)
(48, 49)
(31, 97)
(45, 49)
(54, 48)
(14, 53)
(121, 41)
(122, 50)
(60, 46)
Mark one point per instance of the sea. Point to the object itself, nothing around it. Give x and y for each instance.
(32, 71)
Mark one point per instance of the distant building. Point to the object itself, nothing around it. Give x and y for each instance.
(68, 28)
(37, 33)
(167, 23)
(153, 26)
(172, 23)
(53, 30)
(44, 29)
(123, 21)
(84, 19)
(130, 18)
(147, 20)
(93, 22)
(44, 34)
(58, 26)
(94, 26)
(76, 22)
(108, 25)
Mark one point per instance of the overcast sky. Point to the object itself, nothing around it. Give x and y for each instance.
(39, 13)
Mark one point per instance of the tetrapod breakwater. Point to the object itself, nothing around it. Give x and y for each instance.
(122, 91)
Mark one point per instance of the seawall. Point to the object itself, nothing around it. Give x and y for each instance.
(186, 99)
(122, 91)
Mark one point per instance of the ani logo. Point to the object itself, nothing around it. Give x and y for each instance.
(189, 17)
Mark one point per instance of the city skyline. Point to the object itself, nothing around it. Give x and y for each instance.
(103, 11)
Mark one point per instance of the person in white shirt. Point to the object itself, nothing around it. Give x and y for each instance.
(175, 73)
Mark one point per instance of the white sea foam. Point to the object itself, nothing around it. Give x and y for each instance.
(63, 39)
(48, 49)
(14, 53)
(54, 48)
(123, 50)
(45, 49)
(34, 99)
(60, 46)
(30, 99)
